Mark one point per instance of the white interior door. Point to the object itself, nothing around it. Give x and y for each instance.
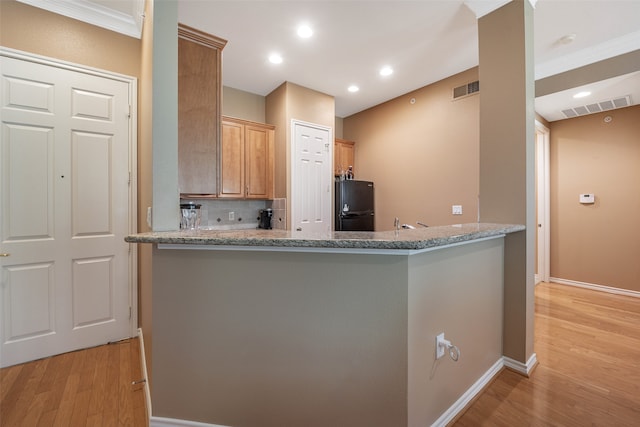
(311, 177)
(64, 175)
(542, 204)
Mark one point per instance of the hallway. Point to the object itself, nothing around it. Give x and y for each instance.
(588, 349)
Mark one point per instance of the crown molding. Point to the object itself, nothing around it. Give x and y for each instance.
(129, 23)
(481, 8)
(484, 7)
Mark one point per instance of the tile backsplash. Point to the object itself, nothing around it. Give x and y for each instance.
(279, 207)
(239, 214)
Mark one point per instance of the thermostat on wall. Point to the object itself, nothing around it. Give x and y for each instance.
(587, 198)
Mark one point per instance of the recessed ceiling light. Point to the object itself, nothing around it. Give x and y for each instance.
(582, 94)
(305, 31)
(353, 88)
(386, 71)
(275, 58)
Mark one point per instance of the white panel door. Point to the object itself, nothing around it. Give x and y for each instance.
(542, 184)
(64, 176)
(311, 178)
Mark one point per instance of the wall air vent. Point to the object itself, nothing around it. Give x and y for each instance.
(466, 90)
(598, 107)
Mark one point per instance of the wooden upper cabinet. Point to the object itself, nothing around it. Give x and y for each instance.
(259, 161)
(232, 160)
(343, 156)
(247, 159)
(199, 110)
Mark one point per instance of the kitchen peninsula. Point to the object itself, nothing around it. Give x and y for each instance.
(273, 327)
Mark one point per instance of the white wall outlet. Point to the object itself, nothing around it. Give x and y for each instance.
(440, 345)
(232, 216)
(149, 216)
(456, 209)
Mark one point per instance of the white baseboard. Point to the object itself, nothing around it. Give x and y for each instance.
(145, 375)
(468, 395)
(170, 422)
(592, 286)
(522, 368)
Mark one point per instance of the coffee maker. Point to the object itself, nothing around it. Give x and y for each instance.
(266, 216)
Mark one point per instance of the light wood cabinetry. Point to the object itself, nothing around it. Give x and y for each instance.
(199, 111)
(343, 155)
(247, 159)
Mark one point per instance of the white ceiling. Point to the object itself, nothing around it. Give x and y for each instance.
(424, 41)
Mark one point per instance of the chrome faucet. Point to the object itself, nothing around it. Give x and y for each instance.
(396, 223)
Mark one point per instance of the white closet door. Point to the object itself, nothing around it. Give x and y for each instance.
(311, 178)
(64, 176)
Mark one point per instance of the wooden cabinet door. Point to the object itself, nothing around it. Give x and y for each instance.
(259, 161)
(246, 160)
(199, 88)
(232, 164)
(344, 155)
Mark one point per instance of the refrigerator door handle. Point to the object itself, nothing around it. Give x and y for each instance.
(354, 214)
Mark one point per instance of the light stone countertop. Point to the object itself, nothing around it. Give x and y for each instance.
(403, 239)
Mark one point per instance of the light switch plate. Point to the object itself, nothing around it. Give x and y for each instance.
(587, 198)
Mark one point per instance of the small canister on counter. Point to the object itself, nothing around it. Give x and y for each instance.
(265, 218)
(189, 216)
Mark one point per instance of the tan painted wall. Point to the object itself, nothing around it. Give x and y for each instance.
(41, 32)
(599, 243)
(507, 130)
(276, 114)
(243, 105)
(310, 105)
(423, 157)
(287, 102)
(339, 128)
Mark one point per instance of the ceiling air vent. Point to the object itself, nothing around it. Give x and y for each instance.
(466, 90)
(598, 107)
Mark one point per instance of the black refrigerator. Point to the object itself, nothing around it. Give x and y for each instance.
(354, 206)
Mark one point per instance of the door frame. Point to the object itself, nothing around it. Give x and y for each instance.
(294, 168)
(543, 202)
(132, 83)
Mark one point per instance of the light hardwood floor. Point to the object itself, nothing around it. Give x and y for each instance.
(91, 387)
(588, 349)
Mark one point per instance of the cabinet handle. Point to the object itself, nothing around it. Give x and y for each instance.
(5, 255)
